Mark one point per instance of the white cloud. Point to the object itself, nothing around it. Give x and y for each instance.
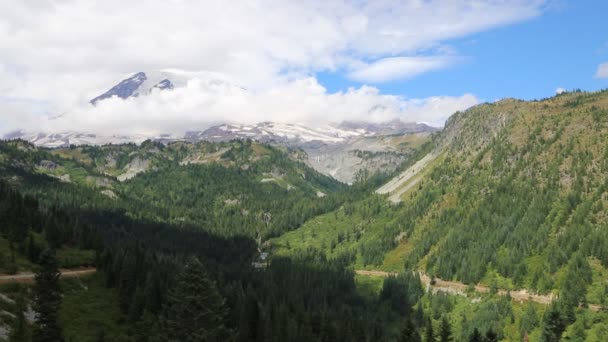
(560, 90)
(400, 68)
(602, 71)
(202, 103)
(56, 55)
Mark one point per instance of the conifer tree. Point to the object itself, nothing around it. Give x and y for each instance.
(445, 334)
(475, 336)
(529, 320)
(47, 300)
(491, 336)
(195, 310)
(553, 325)
(409, 332)
(18, 329)
(428, 333)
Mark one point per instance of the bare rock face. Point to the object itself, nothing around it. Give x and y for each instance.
(47, 164)
(137, 165)
(109, 193)
(340, 151)
(366, 154)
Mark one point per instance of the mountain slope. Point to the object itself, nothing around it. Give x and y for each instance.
(340, 151)
(517, 195)
(227, 188)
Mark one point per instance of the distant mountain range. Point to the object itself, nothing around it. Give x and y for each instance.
(334, 149)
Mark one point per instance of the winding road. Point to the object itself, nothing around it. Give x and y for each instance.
(29, 277)
(457, 288)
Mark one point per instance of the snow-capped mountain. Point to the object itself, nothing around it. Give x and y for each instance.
(141, 83)
(298, 133)
(273, 132)
(340, 150)
(267, 132)
(144, 83)
(390, 127)
(65, 139)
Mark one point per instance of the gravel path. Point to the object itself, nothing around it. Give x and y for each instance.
(458, 288)
(29, 277)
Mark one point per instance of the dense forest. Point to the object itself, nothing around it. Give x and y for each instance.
(241, 241)
(162, 268)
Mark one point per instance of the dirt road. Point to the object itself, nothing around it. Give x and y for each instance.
(29, 277)
(458, 288)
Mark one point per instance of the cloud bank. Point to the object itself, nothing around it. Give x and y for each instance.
(56, 55)
(204, 102)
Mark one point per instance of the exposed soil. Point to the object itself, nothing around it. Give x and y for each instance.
(29, 277)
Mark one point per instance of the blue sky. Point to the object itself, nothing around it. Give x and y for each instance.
(528, 60)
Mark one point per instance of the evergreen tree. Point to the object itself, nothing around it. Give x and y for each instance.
(101, 336)
(195, 309)
(529, 320)
(409, 332)
(18, 329)
(553, 325)
(491, 336)
(429, 335)
(445, 334)
(577, 334)
(475, 336)
(127, 282)
(47, 300)
(250, 317)
(33, 251)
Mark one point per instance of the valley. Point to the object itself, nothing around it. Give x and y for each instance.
(304, 171)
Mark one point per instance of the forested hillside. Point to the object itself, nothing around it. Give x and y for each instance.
(180, 235)
(515, 198)
(235, 188)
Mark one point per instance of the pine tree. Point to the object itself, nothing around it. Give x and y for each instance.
(195, 310)
(445, 334)
(127, 283)
(553, 325)
(47, 300)
(409, 332)
(33, 251)
(529, 320)
(18, 329)
(491, 336)
(250, 317)
(428, 333)
(475, 336)
(577, 333)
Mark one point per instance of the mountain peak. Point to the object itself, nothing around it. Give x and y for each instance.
(164, 84)
(124, 89)
(143, 83)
